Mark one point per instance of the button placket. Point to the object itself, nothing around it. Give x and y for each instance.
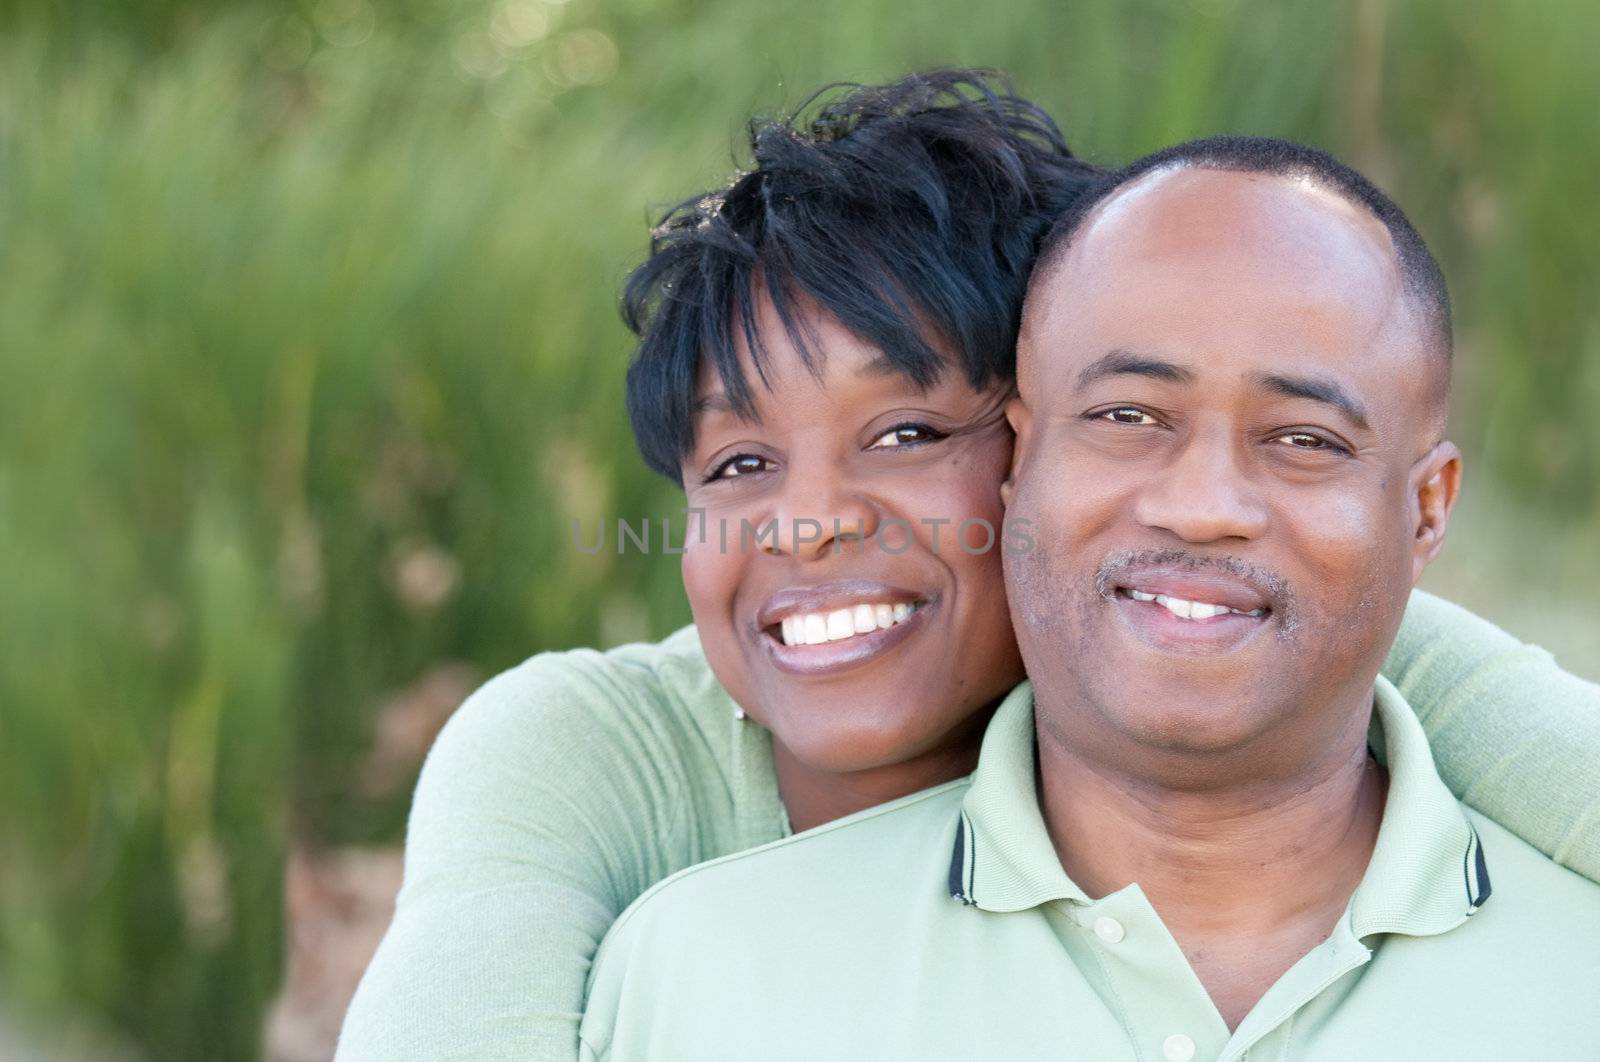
(1164, 1006)
(1109, 929)
(1177, 1048)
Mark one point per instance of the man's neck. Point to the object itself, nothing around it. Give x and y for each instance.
(1248, 878)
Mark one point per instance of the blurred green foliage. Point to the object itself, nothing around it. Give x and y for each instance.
(309, 356)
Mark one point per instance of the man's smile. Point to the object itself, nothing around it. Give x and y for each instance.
(1189, 610)
(1188, 605)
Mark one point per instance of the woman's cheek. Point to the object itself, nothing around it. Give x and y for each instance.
(966, 493)
(711, 580)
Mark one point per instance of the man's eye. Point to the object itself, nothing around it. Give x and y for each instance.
(1128, 415)
(739, 465)
(906, 435)
(1305, 440)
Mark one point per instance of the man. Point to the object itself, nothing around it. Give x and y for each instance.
(1232, 393)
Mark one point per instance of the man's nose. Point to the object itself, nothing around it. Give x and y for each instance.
(819, 512)
(1203, 493)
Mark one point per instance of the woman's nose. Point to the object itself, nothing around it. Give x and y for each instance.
(817, 513)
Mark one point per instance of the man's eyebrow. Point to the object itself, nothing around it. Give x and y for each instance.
(1324, 391)
(1123, 363)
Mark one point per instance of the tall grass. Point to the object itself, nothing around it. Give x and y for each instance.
(308, 355)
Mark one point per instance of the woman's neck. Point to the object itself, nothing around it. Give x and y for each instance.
(814, 796)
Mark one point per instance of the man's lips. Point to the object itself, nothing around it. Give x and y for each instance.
(1196, 595)
(1190, 612)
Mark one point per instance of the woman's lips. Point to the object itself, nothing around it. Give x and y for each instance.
(844, 653)
(815, 628)
(828, 597)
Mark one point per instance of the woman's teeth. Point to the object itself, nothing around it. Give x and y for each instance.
(1190, 609)
(814, 628)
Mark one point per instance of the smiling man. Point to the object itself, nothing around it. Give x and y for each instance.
(1233, 395)
(1179, 842)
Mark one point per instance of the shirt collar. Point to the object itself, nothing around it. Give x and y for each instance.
(1428, 871)
(1003, 858)
(1426, 875)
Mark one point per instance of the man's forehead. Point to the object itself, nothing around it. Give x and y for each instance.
(1213, 252)
(1177, 216)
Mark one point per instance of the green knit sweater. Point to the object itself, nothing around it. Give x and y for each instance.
(566, 787)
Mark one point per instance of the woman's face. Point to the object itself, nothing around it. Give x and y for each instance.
(838, 595)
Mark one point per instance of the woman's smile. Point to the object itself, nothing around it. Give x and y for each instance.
(836, 626)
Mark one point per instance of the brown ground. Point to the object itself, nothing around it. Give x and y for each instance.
(338, 901)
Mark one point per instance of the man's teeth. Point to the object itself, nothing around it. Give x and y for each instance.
(814, 628)
(1190, 609)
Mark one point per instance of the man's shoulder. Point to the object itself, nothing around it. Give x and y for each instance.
(840, 867)
(1531, 952)
(1529, 885)
(770, 938)
(1519, 971)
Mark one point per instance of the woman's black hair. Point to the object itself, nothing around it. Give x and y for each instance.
(910, 212)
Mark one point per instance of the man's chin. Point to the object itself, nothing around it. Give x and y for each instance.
(1185, 727)
(1183, 704)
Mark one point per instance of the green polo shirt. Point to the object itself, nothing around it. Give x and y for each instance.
(943, 926)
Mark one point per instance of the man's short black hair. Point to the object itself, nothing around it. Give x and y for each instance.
(911, 212)
(1420, 274)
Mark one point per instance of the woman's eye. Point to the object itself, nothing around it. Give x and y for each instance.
(739, 465)
(1128, 415)
(906, 435)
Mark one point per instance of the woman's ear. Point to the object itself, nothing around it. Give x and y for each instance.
(1017, 416)
(1435, 483)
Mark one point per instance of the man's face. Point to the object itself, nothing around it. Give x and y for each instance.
(1228, 444)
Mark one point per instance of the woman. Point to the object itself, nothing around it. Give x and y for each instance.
(825, 350)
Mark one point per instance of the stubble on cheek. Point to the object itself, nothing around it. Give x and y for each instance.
(1039, 598)
(1366, 609)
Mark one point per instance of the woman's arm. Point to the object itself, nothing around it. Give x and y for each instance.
(1513, 735)
(555, 796)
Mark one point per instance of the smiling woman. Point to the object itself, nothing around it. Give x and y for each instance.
(828, 346)
(849, 447)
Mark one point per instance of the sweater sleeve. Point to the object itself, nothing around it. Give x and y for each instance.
(552, 798)
(1513, 735)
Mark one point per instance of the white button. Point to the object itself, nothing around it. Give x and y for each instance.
(1108, 929)
(1177, 1048)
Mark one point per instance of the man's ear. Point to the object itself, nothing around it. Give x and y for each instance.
(1018, 417)
(1435, 483)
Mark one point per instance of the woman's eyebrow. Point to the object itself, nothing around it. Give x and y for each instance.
(715, 402)
(880, 364)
